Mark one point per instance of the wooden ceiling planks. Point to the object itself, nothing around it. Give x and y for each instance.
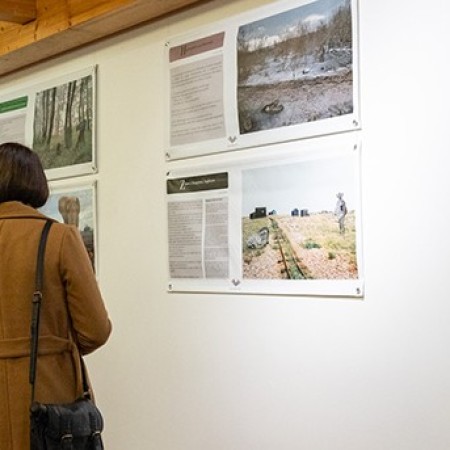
(17, 11)
(62, 25)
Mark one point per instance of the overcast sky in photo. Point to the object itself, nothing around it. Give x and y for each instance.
(278, 24)
(311, 185)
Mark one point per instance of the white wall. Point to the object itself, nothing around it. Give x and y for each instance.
(217, 372)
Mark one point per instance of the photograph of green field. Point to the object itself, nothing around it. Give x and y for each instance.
(299, 221)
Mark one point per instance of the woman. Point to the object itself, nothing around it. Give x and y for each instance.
(73, 315)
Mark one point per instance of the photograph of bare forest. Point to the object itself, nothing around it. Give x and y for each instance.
(296, 66)
(299, 221)
(63, 124)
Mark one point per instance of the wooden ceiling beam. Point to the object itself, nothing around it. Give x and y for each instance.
(18, 11)
(63, 25)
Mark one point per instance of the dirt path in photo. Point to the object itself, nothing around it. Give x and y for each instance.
(316, 263)
(267, 266)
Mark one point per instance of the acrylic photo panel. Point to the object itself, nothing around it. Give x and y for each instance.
(287, 222)
(283, 72)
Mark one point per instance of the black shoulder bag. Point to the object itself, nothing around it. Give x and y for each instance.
(71, 426)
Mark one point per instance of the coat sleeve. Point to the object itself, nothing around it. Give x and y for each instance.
(88, 314)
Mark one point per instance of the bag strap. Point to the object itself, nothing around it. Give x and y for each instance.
(37, 300)
(35, 317)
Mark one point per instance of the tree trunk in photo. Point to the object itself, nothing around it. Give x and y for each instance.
(83, 122)
(68, 118)
(88, 106)
(52, 104)
(44, 122)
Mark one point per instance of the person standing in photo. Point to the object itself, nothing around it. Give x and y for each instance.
(341, 211)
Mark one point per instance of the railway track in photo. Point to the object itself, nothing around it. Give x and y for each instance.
(289, 261)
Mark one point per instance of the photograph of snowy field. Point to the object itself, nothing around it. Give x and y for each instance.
(296, 66)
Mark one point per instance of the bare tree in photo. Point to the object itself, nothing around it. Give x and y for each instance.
(83, 111)
(51, 94)
(68, 117)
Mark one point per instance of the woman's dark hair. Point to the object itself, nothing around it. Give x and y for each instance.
(22, 176)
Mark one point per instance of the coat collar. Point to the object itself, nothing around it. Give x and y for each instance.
(17, 210)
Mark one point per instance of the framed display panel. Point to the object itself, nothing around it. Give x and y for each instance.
(74, 203)
(282, 72)
(284, 222)
(57, 119)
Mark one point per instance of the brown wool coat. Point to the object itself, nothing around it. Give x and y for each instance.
(73, 316)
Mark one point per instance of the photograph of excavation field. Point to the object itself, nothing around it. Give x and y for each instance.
(296, 66)
(300, 221)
